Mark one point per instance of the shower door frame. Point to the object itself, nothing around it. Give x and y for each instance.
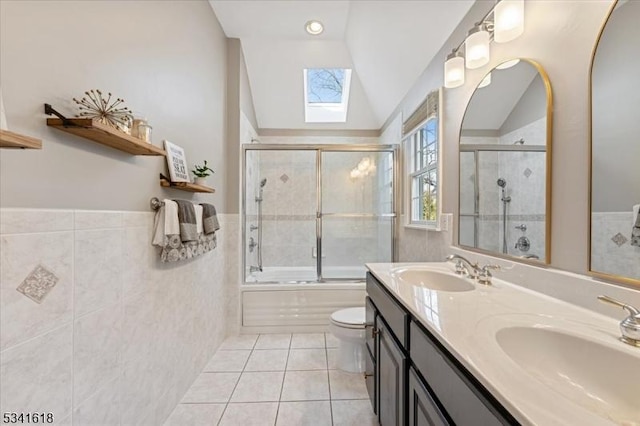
(320, 149)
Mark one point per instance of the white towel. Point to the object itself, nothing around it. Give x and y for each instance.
(158, 228)
(171, 223)
(199, 223)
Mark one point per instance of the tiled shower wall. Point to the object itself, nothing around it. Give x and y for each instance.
(525, 173)
(120, 337)
(611, 251)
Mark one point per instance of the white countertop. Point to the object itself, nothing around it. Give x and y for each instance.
(466, 324)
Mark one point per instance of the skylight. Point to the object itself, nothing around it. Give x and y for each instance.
(326, 94)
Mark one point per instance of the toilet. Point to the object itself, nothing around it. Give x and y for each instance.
(347, 325)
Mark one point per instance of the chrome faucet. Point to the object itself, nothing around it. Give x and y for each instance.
(253, 269)
(630, 326)
(463, 266)
(485, 275)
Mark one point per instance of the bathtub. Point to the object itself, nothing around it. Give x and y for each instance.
(287, 300)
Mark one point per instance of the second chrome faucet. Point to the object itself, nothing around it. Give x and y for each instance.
(472, 270)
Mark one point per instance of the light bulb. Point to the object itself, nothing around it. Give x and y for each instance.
(314, 27)
(508, 20)
(364, 164)
(485, 81)
(476, 47)
(508, 64)
(454, 70)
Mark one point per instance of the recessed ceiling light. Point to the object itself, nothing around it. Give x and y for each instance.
(314, 27)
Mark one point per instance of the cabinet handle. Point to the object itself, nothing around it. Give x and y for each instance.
(367, 375)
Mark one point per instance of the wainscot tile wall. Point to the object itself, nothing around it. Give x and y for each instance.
(101, 332)
(612, 252)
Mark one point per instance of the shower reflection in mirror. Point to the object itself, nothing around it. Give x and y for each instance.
(503, 164)
(615, 147)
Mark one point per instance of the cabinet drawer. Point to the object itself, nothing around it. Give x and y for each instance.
(464, 401)
(394, 314)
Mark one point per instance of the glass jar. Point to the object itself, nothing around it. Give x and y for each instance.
(141, 129)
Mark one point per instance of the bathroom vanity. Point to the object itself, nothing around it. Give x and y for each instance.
(443, 349)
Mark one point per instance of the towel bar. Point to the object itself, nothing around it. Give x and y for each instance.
(156, 203)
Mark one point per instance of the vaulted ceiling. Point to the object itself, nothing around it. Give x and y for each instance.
(387, 44)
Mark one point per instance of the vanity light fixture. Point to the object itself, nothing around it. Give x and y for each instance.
(476, 47)
(454, 70)
(509, 20)
(314, 27)
(503, 23)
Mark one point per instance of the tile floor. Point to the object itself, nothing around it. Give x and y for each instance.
(275, 379)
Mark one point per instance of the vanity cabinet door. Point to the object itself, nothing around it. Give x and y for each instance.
(423, 410)
(370, 327)
(370, 379)
(391, 374)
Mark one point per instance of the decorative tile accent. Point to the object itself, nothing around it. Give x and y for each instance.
(284, 178)
(38, 284)
(527, 172)
(619, 239)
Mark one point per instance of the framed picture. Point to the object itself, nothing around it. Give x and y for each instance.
(177, 162)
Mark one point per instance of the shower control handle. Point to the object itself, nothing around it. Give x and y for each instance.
(521, 227)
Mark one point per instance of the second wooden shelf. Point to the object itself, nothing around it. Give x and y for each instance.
(185, 186)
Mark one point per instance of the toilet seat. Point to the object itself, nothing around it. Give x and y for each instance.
(354, 318)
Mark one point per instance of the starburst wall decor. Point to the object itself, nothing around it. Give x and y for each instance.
(107, 111)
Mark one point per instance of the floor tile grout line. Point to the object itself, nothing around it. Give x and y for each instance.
(284, 375)
(326, 352)
(238, 381)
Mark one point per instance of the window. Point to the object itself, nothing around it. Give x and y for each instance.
(422, 148)
(326, 94)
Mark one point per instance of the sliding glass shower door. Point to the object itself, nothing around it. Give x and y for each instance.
(356, 212)
(315, 213)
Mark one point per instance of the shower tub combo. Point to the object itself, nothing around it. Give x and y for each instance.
(313, 215)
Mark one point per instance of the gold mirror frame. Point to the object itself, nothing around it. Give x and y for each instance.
(549, 134)
(601, 275)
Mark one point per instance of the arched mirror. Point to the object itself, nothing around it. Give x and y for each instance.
(505, 158)
(615, 147)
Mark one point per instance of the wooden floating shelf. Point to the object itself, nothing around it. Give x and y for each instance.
(14, 140)
(186, 186)
(105, 135)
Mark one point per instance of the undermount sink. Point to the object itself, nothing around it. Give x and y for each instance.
(597, 377)
(432, 279)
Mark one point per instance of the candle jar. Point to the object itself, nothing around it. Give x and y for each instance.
(141, 129)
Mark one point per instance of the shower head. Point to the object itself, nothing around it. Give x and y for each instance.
(502, 183)
(263, 182)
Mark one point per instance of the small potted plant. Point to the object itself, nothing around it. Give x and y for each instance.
(201, 173)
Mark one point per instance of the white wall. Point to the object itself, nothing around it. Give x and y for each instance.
(560, 35)
(165, 58)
